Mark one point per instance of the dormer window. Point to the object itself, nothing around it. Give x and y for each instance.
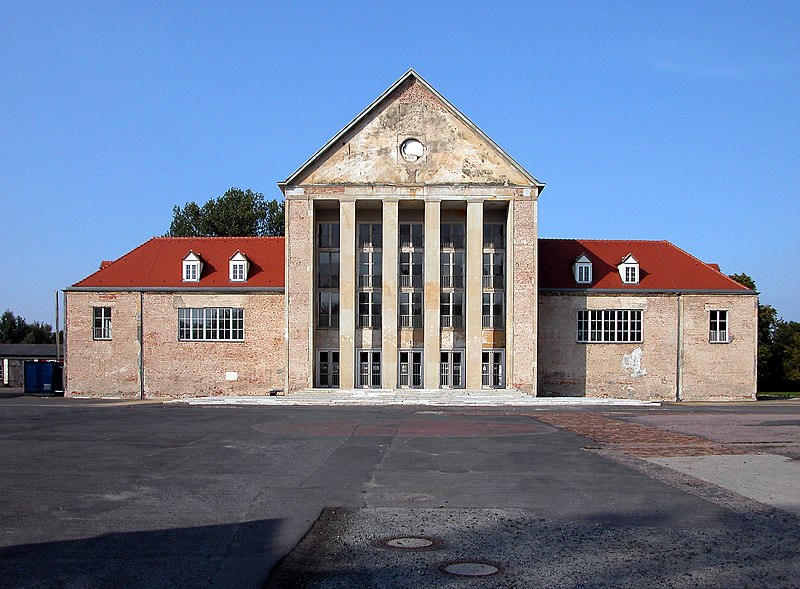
(582, 269)
(238, 266)
(192, 267)
(629, 270)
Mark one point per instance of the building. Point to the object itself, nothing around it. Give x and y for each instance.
(411, 260)
(14, 356)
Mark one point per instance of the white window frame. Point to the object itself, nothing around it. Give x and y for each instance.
(191, 271)
(452, 236)
(372, 261)
(103, 316)
(238, 267)
(491, 320)
(204, 324)
(718, 326)
(494, 269)
(412, 235)
(492, 238)
(610, 326)
(451, 273)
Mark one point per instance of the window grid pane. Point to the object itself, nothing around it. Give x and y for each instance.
(211, 324)
(609, 326)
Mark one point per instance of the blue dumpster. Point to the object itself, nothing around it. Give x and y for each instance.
(42, 377)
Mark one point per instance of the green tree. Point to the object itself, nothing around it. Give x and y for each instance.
(786, 346)
(237, 213)
(12, 328)
(15, 330)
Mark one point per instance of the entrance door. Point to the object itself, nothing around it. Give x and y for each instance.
(411, 369)
(369, 369)
(450, 372)
(493, 369)
(328, 369)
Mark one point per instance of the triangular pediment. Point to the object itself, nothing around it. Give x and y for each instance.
(411, 135)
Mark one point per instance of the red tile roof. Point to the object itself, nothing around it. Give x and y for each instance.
(158, 263)
(662, 266)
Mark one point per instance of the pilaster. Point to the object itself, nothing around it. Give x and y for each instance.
(347, 293)
(431, 300)
(474, 293)
(389, 294)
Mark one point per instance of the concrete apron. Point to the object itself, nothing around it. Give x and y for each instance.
(438, 397)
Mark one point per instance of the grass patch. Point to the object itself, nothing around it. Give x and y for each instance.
(780, 395)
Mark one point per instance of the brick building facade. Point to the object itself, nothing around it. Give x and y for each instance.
(411, 260)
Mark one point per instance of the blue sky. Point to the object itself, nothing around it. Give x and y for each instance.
(669, 120)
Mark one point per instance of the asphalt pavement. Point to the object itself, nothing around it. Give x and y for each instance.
(110, 494)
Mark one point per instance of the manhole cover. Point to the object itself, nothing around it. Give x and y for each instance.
(410, 543)
(466, 568)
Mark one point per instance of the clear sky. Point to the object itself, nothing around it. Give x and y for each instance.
(647, 120)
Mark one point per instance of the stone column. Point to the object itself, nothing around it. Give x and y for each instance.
(432, 294)
(522, 295)
(347, 293)
(474, 292)
(299, 295)
(389, 295)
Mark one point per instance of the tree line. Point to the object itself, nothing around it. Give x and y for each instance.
(15, 330)
(778, 347)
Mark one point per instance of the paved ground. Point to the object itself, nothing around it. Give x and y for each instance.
(109, 494)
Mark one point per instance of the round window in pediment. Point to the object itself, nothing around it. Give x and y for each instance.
(412, 150)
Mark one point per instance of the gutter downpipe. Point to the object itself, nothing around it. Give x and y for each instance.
(141, 345)
(679, 359)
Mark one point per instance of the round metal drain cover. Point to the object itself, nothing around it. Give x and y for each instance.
(466, 568)
(410, 543)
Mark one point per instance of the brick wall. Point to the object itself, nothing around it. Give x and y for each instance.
(172, 368)
(648, 370)
(102, 367)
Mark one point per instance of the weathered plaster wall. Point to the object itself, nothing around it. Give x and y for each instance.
(102, 367)
(454, 153)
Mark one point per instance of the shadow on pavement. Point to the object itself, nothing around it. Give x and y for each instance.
(227, 555)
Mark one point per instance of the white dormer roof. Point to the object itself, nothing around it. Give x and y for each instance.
(629, 270)
(582, 269)
(192, 267)
(238, 267)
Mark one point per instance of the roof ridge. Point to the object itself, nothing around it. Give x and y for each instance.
(606, 240)
(181, 237)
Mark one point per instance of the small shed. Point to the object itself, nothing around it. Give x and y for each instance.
(14, 356)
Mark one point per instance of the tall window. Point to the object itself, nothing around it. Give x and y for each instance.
(370, 235)
(211, 324)
(452, 236)
(411, 235)
(412, 265)
(451, 309)
(584, 273)
(328, 267)
(410, 309)
(369, 268)
(452, 269)
(102, 323)
(718, 327)
(609, 325)
(494, 235)
(369, 309)
(493, 310)
(328, 235)
(493, 270)
(328, 308)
